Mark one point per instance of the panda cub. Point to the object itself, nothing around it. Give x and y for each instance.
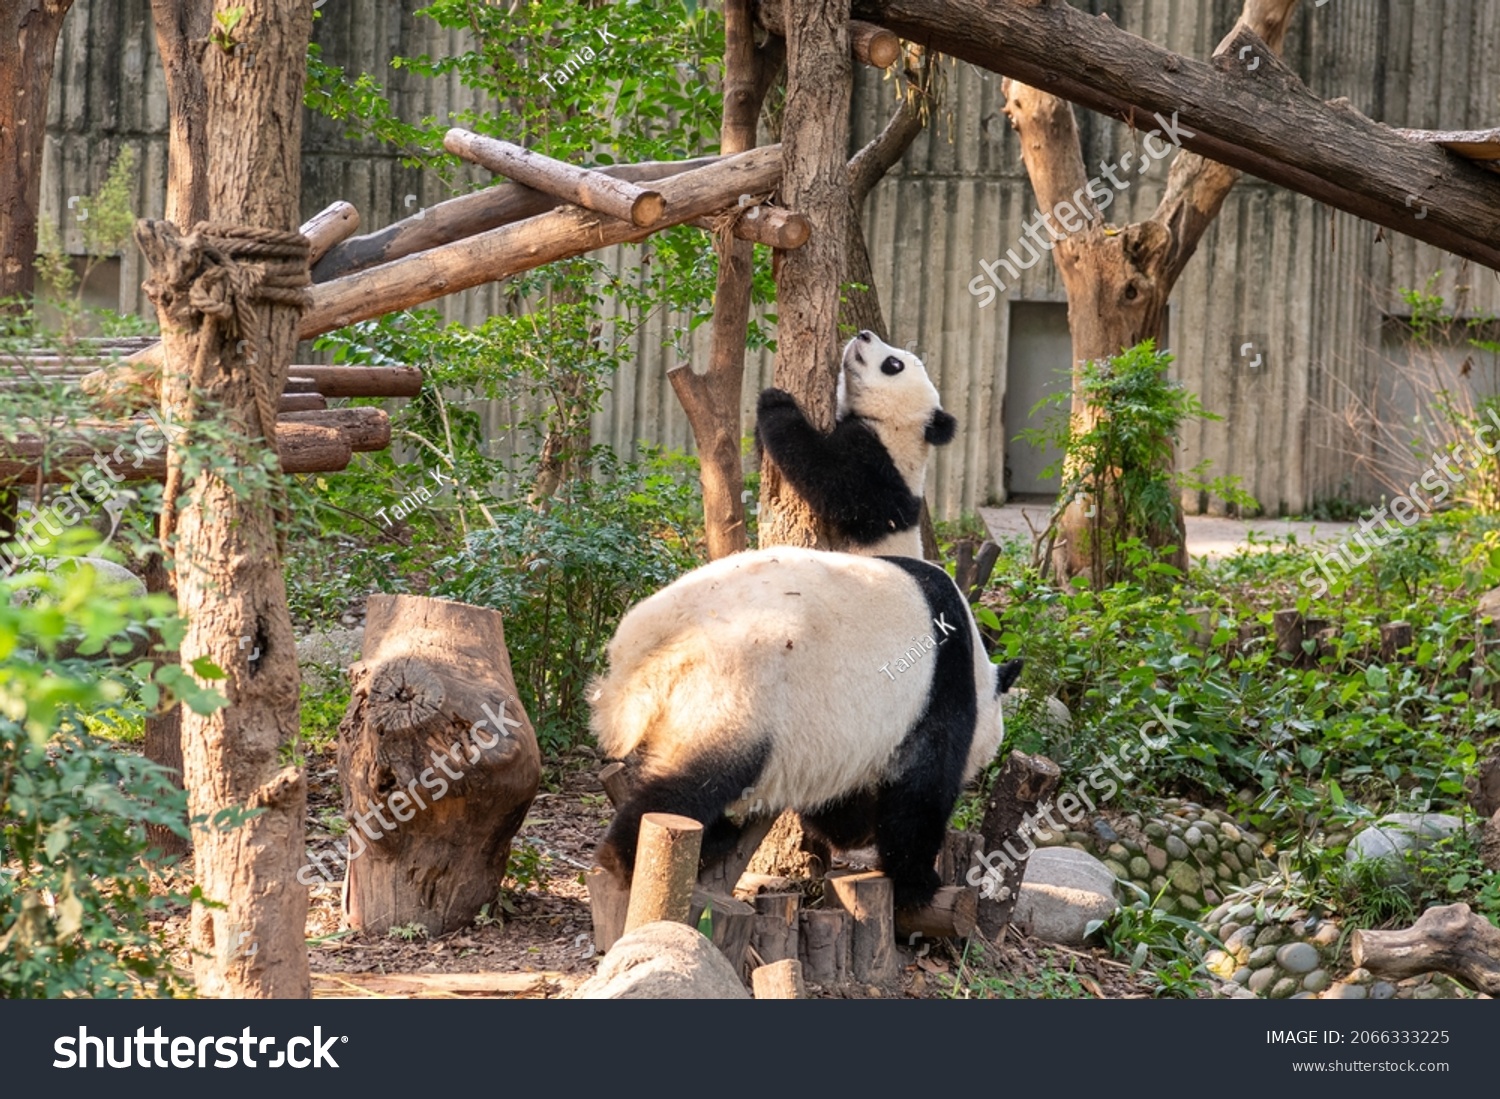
(865, 477)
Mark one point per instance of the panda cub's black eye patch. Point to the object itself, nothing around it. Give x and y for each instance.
(892, 365)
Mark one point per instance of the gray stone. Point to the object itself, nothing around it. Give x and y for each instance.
(1242, 975)
(1229, 832)
(1192, 837)
(1219, 913)
(1246, 853)
(1297, 958)
(1075, 838)
(106, 572)
(1393, 835)
(1269, 935)
(1184, 879)
(664, 961)
(1284, 988)
(1228, 929)
(1210, 844)
(1382, 990)
(1158, 883)
(1261, 956)
(1228, 859)
(1063, 890)
(1116, 869)
(1316, 981)
(1262, 979)
(1176, 848)
(1156, 857)
(1346, 992)
(1304, 996)
(1140, 869)
(1154, 831)
(1242, 911)
(1118, 851)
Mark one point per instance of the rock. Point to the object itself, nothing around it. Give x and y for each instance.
(1262, 979)
(1382, 990)
(1210, 844)
(1316, 981)
(1326, 935)
(1076, 838)
(1345, 992)
(1210, 897)
(1270, 935)
(1242, 975)
(1140, 869)
(1242, 911)
(1284, 988)
(1247, 854)
(1304, 996)
(1229, 832)
(665, 961)
(1393, 835)
(1155, 831)
(1192, 837)
(106, 572)
(1063, 890)
(1219, 964)
(1297, 958)
(1261, 956)
(1052, 716)
(1228, 929)
(1116, 869)
(1228, 859)
(1239, 943)
(1156, 857)
(1105, 833)
(1185, 879)
(1158, 883)
(1118, 851)
(1218, 914)
(1176, 848)
(1360, 976)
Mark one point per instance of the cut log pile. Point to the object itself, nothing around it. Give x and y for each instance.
(777, 931)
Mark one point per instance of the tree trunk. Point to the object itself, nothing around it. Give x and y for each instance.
(28, 44)
(815, 182)
(249, 271)
(1118, 281)
(182, 28)
(1023, 781)
(164, 730)
(434, 729)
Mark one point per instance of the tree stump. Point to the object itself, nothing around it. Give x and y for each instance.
(732, 924)
(1023, 781)
(1449, 939)
(780, 980)
(435, 736)
(824, 946)
(776, 919)
(666, 865)
(869, 900)
(1290, 632)
(952, 914)
(788, 850)
(1394, 636)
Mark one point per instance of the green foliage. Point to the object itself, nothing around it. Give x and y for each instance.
(76, 899)
(1055, 981)
(1117, 456)
(1167, 950)
(565, 575)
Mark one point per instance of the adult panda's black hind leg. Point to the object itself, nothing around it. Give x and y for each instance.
(700, 790)
(911, 823)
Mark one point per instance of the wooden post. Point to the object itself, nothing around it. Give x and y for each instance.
(779, 980)
(1394, 636)
(1023, 781)
(666, 865)
(824, 946)
(732, 924)
(868, 898)
(612, 778)
(580, 186)
(776, 921)
(1450, 939)
(609, 901)
(952, 914)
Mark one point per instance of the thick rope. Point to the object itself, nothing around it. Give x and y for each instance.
(216, 277)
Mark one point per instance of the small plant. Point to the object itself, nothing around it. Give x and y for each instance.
(409, 933)
(1166, 950)
(222, 33)
(525, 868)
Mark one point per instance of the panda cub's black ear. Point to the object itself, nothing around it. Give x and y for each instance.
(941, 428)
(1007, 674)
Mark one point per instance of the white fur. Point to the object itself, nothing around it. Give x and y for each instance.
(785, 643)
(898, 407)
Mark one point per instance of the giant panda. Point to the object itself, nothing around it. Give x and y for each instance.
(865, 477)
(853, 689)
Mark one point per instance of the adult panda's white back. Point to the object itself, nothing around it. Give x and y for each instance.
(853, 689)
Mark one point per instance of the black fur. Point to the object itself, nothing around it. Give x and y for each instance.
(846, 476)
(941, 428)
(700, 791)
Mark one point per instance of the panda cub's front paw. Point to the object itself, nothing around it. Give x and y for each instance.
(773, 399)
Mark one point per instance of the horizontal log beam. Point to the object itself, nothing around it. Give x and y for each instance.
(362, 381)
(365, 428)
(1262, 120)
(470, 214)
(581, 186)
(134, 452)
(769, 225)
(512, 249)
(327, 227)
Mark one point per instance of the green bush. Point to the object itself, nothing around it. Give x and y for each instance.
(76, 897)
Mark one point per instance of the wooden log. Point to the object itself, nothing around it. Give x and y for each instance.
(824, 946)
(327, 227)
(612, 778)
(751, 885)
(512, 249)
(953, 914)
(871, 45)
(868, 898)
(129, 455)
(468, 215)
(777, 916)
(436, 729)
(956, 856)
(1449, 939)
(732, 924)
(779, 980)
(1023, 781)
(1395, 636)
(365, 428)
(581, 186)
(769, 225)
(1265, 122)
(1290, 631)
(666, 865)
(362, 381)
(609, 901)
(301, 402)
(297, 385)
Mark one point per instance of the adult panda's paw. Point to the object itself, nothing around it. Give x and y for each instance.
(773, 400)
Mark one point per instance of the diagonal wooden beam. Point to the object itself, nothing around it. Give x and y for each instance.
(1245, 108)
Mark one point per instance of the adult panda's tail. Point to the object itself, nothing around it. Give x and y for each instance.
(647, 694)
